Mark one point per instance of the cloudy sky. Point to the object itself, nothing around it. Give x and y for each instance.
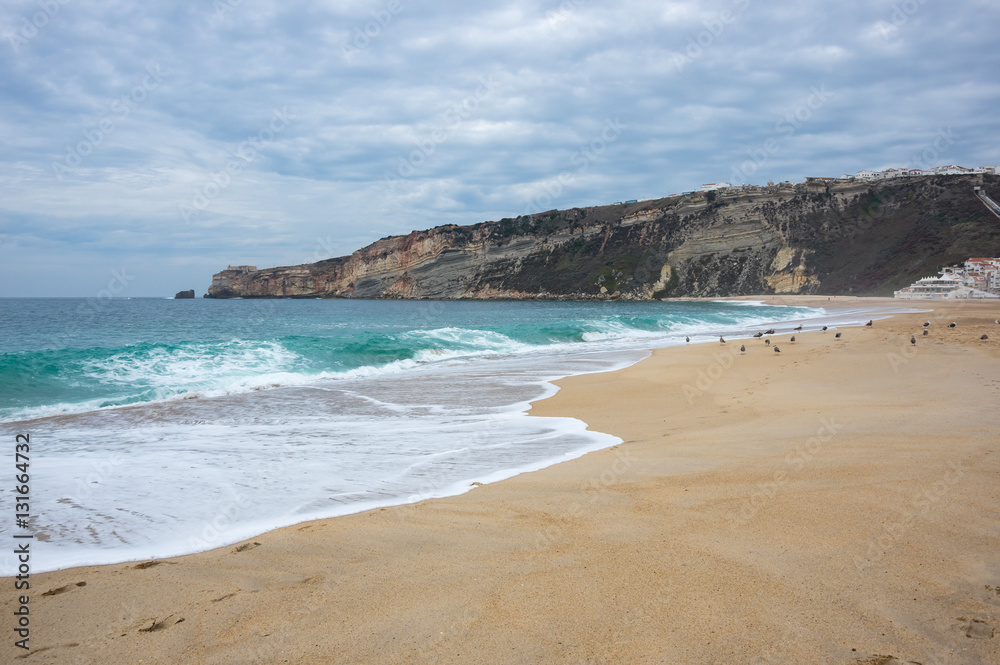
(145, 145)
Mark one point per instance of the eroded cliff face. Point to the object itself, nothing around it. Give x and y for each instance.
(861, 238)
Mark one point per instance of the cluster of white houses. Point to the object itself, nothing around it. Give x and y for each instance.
(887, 174)
(976, 278)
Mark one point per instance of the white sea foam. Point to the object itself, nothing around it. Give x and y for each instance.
(184, 475)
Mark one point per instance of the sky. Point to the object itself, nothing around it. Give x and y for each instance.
(145, 146)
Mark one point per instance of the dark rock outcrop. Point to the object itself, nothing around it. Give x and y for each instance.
(183, 295)
(843, 237)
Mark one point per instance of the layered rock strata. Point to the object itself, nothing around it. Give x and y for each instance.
(841, 237)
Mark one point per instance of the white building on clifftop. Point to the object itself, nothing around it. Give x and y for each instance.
(951, 169)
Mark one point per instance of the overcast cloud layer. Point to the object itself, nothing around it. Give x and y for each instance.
(147, 145)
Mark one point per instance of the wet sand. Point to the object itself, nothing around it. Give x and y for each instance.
(838, 502)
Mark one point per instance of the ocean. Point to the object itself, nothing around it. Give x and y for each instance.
(160, 427)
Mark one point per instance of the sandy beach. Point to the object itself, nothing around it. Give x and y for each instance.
(837, 502)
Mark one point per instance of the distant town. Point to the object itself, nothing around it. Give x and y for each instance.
(860, 176)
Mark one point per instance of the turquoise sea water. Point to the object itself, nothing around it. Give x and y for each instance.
(65, 356)
(163, 426)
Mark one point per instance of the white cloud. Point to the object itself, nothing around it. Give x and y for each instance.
(697, 86)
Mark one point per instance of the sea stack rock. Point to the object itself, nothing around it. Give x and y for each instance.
(181, 295)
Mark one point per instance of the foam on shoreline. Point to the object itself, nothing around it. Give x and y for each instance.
(459, 423)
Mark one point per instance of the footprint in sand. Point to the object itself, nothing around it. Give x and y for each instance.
(884, 660)
(246, 546)
(978, 630)
(68, 645)
(146, 564)
(156, 626)
(63, 589)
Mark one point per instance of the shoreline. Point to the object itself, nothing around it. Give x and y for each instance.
(235, 528)
(610, 545)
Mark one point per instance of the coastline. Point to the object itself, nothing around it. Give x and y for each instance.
(838, 496)
(478, 431)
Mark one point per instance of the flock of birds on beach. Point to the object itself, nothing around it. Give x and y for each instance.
(871, 322)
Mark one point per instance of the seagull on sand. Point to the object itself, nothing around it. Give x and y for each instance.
(721, 340)
(926, 323)
(776, 349)
(743, 348)
(687, 339)
(824, 328)
(925, 333)
(870, 322)
(760, 334)
(768, 342)
(792, 339)
(985, 336)
(913, 340)
(838, 335)
(799, 328)
(952, 324)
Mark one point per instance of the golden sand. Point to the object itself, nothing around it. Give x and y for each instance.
(838, 502)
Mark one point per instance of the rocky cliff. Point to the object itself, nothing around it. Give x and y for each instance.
(831, 238)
